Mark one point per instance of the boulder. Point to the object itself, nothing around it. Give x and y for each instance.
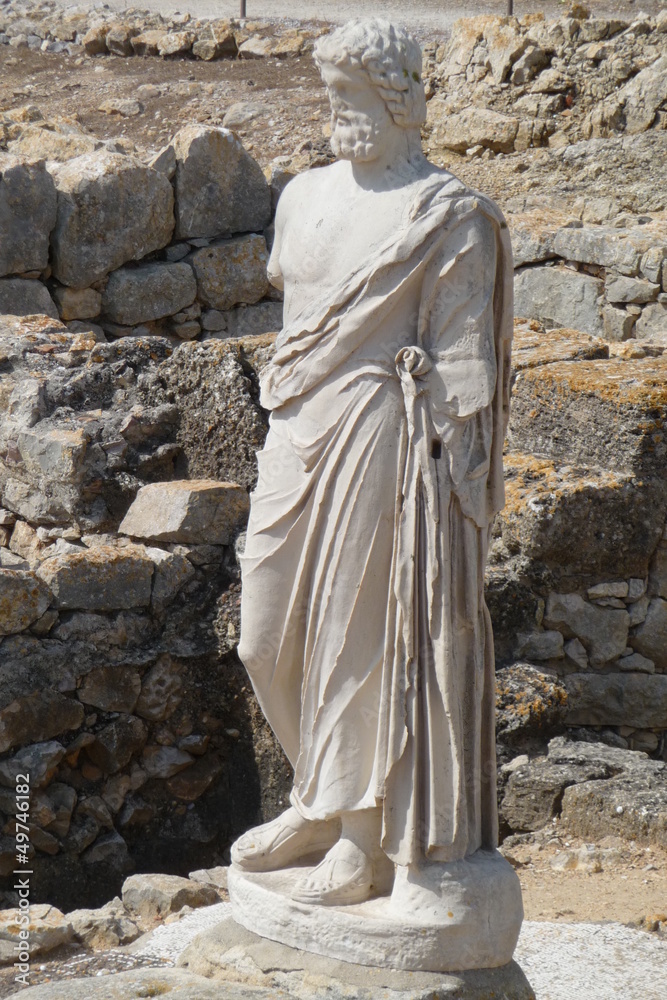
(119, 39)
(172, 572)
(27, 214)
(529, 705)
(642, 96)
(560, 297)
(108, 927)
(47, 928)
(153, 897)
(94, 40)
(23, 599)
(150, 291)
(147, 43)
(195, 511)
(111, 688)
(619, 699)
(220, 189)
(632, 805)
(231, 271)
(112, 208)
(103, 578)
(602, 245)
(475, 127)
(176, 43)
(620, 288)
(38, 716)
(603, 631)
(19, 297)
(216, 41)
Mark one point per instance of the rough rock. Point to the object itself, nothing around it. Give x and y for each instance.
(20, 297)
(193, 511)
(232, 271)
(39, 760)
(603, 631)
(150, 291)
(111, 688)
(155, 896)
(627, 699)
(100, 579)
(255, 320)
(38, 716)
(476, 127)
(78, 303)
(220, 189)
(529, 705)
(105, 928)
(632, 805)
(147, 43)
(139, 983)
(119, 39)
(23, 599)
(172, 572)
(161, 691)
(650, 639)
(117, 743)
(540, 645)
(164, 762)
(135, 201)
(216, 41)
(47, 929)
(176, 43)
(560, 297)
(653, 322)
(94, 40)
(27, 215)
(601, 245)
(620, 288)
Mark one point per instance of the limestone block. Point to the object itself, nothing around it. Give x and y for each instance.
(636, 663)
(534, 790)
(653, 321)
(161, 690)
(529, 704)
(163, 762)
(151, 896)
(505, 45)
(532, 237)
(620, 288)
(560, 297)
(255, 47)
(540, 645)
(111, 688)
(104, 928)
(628, 699)
(632, 805)
(617, 324)
(479, 127)
(27, 215)
(231, 272)
(19, 297)
(196, 511)
(176, 43)
(135, 202)
(147, 43)
(603, 631)
(78, 303)
(100, 579)
(39, 760)
(117, 743)
(42, 143)
(650, 638)
(150, 291)
(220, 189)
(612, 588)
(38, 716)
(602, 245)
(642, 96)
(576, 652)
(119, 39)
(47, 928)
(94, 40)
(172, 572)
(111, 850)
(254, 320)
(658, 572)
(216, 41)
(23, 599)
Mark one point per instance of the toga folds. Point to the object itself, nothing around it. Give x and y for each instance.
(364, 627)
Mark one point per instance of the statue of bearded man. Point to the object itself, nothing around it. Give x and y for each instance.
(364, 627)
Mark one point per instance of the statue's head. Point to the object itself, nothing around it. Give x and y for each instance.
(372, 71)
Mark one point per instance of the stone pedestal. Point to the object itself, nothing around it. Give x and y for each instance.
(441, 918)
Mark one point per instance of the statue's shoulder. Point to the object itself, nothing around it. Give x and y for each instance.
(310, 182)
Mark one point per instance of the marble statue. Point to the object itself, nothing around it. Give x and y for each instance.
(364, 627)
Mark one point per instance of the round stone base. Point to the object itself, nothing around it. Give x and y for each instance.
(439, 918)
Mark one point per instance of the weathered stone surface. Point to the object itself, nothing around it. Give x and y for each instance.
(111, 688)
(529, 704)
(603, 631)
(38, 716)
(533, 237)
(147, 292)
(618, 325)
(78, 303)
(160, 691)
(619, 288)
(146, 44)
(151, 896)
(255, 320)
(105, 928)
(39, 760)
(534, 791)
(632, 805)
(195, 511)
(23, 600)
(176, 43)
(117, 743)
(216, 41)
(119, 39)
(47, 928)
(135, 202)
(560, 297)
(94, 40)
(635, 662)
(540, 645)
(190, 784)
(627, 699)
(172, 572)
(163, 762)
(27, 215)
(650, 638)
(100, 579)
(658, 572)
(179, 984)
(220, 189)
(608, 247)
(111, 850)
(232, 271)
(62, 799)
(19, 297)
(476, 127)
(532, 347)
(643, 96)
(653, 322)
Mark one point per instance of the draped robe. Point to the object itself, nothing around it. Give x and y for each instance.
(364, 627)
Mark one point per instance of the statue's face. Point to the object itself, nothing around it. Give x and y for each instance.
(360, 123)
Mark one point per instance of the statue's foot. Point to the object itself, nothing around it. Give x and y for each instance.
(346, 875)
(283, 841)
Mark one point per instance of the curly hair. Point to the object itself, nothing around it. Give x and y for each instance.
(390, 56)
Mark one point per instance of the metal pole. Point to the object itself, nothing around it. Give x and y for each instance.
(243, 10)
(510, 7)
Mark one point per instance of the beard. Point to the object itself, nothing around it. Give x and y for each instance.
(358, 139)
